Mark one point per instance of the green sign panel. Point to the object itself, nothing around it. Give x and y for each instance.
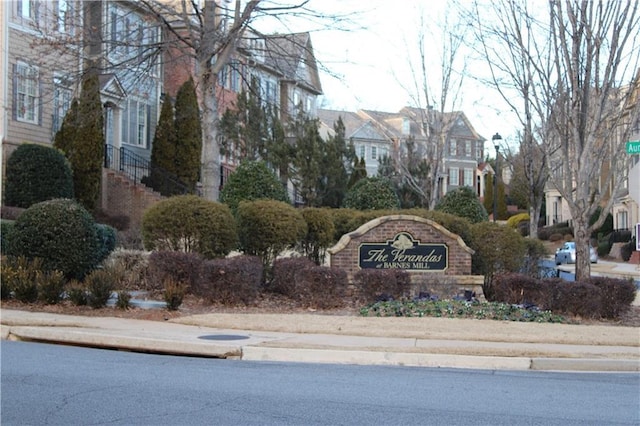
(633, 147)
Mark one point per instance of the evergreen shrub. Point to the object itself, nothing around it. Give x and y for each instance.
(320, 232)
(252, 180)
(20, 278)
(6, 227)
(61, 233)
(267, 228)
(463, 202)
(189, 223)
(232, 281)
(342, 219)
(515, 220)
(37, 173)
(106, 236)
(372, 193)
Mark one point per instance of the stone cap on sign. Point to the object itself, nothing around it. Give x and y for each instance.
(364, 229)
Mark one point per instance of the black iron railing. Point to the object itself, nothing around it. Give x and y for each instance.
(141, 171)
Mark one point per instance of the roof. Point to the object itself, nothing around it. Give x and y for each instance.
(292, 55)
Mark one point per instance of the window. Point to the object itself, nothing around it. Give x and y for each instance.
(28, 9)
(362, 151)
(235, 77)
(271, 92)
(374, 152)
(61, 101)
(479, 150)
(134, 123)
(468, 177)
(308, 104)
(454, 176)
(453, 148)
(467, 148)
(26, 90)
(64, 10)
(384, 152)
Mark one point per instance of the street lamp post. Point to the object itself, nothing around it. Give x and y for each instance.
(496, 144)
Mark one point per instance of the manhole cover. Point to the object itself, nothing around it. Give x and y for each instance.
(223, 337)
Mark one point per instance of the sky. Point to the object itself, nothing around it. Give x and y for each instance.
(368, 66)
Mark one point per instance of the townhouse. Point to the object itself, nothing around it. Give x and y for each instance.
(453, 143)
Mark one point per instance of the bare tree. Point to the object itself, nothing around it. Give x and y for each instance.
(573, 70)
(505, 35)
(434, 93)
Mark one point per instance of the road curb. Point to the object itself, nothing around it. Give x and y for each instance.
(583, 364)
(331, 356)
(94, 338)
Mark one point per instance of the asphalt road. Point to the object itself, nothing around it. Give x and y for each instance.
(55, 385)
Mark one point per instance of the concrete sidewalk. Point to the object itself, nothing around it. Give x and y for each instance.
(457, 351)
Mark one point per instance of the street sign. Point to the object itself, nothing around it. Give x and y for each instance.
(633, 147)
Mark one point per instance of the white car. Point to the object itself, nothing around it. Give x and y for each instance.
(567, 254)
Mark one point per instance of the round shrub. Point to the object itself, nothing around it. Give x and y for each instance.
(463, 202)
(372, 193)
(37, 173)
(106, 241)
(515, 220)
(61, 233)
(341, 219)
(498, 249)
(320, 232)
(252, 180)
(267, 227)
(190, 224)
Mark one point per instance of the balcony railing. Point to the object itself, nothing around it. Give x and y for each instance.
(141, 171)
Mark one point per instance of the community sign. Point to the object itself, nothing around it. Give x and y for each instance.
(404, 252)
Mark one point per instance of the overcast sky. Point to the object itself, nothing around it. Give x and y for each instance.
(372, 64)
(367, 65)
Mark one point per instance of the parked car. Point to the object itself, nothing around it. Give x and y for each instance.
(567, 254)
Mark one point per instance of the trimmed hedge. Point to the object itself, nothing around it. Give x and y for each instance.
(598, 297)
(191, 224)
(284, 275)
(372, 284)
(60, 232)
(320, 232)
(37, 173)
(179, 267)
(267, 227)
(232, 281)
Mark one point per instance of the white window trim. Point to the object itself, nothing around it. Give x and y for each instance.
(468, 177)
(454, 176)
(453, 147)
(31, 101)
(374, 152)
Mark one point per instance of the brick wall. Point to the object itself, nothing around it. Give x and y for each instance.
(120, 196)
(455, 278)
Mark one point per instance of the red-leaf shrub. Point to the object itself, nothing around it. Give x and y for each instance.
(284, 275)
(373, 283)
(178, 266)
(231, 281)
(617, 295)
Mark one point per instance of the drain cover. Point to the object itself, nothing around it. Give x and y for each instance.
(223, 337)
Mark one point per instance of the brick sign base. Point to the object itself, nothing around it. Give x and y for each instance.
(438, 261)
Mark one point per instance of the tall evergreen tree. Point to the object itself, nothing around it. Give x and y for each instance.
(279, 152)
(81, 138)
(188, 135)
(487, 201)
(164, 170)
(307, 160)
(358, 172)
(244, 130)
(333, 183)
(64, 137)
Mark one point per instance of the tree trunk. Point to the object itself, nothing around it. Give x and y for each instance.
(583, 244)
(210, 172)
